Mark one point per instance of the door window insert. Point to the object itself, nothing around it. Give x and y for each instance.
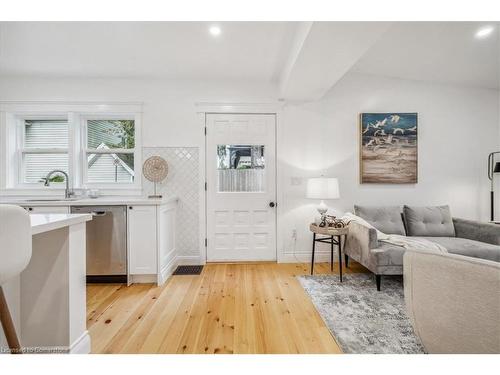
(241, 168)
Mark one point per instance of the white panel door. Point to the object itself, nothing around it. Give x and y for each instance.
(241, 187)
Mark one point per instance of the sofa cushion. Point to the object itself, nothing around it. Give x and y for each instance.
(470, 248)
(386, 219)
(433, 221)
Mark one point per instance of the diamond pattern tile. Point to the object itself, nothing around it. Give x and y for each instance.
(182, 181)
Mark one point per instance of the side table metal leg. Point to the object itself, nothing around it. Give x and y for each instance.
(312, 259)
(340, 256)
(331, 255)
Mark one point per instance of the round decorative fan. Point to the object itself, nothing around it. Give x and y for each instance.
(155, 169)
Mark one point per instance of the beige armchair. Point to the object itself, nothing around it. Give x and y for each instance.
(453, 302)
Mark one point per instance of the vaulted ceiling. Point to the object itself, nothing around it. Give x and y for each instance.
(445, 52)
(303, 59)
(174, 50)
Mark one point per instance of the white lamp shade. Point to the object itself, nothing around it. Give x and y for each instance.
(323, 188)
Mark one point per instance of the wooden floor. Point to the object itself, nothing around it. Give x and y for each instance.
(229, 308)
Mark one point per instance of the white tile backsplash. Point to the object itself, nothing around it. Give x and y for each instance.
(182, 181)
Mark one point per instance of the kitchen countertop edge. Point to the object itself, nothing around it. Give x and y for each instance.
(103, 201)
(41, 223)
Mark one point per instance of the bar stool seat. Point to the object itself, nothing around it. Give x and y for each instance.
(15, 254)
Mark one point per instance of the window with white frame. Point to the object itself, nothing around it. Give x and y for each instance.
(96, 148)
(110, 150)
(44, 147)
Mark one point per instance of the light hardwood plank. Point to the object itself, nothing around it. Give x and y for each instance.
(229, 308)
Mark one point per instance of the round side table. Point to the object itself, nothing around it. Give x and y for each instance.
(333, 237)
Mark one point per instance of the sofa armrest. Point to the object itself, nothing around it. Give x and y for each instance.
(366, 234)
(452, 302)
(475, 230)
(360, 239)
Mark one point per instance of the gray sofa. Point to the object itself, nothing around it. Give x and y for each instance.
(453, 302)
(458, 236)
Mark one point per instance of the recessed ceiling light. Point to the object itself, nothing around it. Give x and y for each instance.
(214, 30)
(484, 32)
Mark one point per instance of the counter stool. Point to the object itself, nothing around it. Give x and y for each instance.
(15, 254)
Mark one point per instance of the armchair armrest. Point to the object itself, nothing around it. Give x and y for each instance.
(475, 230)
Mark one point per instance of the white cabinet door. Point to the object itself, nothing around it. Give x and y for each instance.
(166, 240)
(142, 240)
(47, 210)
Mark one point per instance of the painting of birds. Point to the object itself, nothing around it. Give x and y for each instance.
(389, 148)
(395, 118)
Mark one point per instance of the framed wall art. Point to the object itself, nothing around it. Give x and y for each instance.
(389, 148)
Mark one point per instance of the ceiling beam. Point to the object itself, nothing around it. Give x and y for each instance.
(300, 37)
(322, 53)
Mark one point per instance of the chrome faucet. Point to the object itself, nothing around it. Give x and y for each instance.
(68, 193)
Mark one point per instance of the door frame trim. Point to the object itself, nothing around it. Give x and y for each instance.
(274, 108)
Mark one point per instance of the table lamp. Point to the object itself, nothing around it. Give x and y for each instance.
(322, 188)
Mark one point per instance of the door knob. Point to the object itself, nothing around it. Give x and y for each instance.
(272, 204)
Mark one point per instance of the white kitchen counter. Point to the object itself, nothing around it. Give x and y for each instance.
(101, 201)
(48, 299)
(41, 223)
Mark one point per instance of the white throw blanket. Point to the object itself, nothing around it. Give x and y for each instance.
(409, 243)
(413, 243)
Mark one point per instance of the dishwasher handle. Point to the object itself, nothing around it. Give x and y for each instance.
(98, 213)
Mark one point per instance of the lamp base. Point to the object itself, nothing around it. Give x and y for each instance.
(322, 208)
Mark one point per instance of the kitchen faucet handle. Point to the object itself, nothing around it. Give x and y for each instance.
(71, 193)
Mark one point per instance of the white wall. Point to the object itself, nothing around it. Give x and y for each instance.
(458, 127)
(169, 117)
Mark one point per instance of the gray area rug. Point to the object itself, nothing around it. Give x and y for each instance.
(361, 319)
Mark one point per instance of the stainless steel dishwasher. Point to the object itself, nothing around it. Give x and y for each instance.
(106, 243)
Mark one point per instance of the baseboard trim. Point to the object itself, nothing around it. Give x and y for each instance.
(298, 257)
(81, 345)
(190, 260)
(168, 270)
(142, 279)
